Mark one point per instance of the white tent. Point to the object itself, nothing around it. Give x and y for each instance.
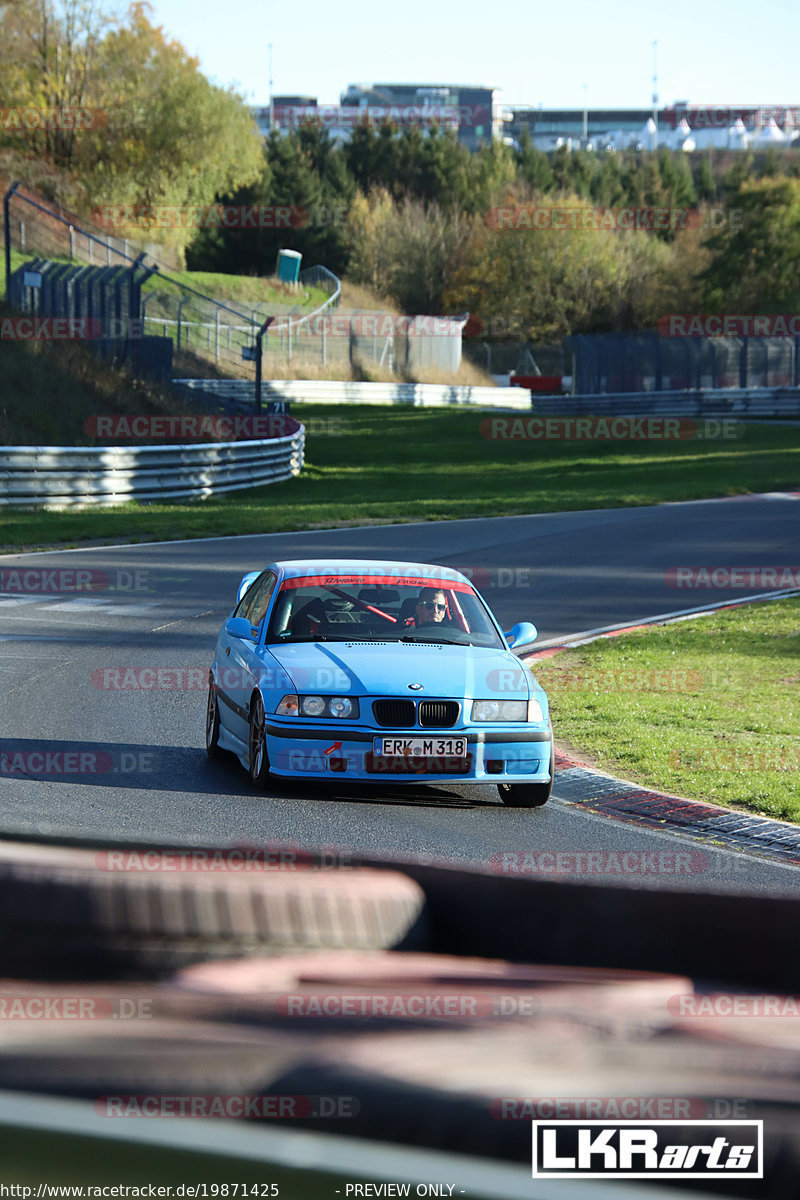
(770, 135)
(682, 137)
(738, 137)
(679, 135)
(649, 135)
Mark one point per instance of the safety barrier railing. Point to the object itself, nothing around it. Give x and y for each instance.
(67, 477)
(324, 391)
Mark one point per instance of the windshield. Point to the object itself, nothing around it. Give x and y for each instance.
(380, 609)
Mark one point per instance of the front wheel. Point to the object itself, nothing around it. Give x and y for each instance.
(258, 760)
(528, 795)
(212, 722)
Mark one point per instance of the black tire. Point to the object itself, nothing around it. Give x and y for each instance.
(212, 722)
(257, 744)
(83, 914)
(528, 795)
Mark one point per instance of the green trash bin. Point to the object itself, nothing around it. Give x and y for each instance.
(289, 265)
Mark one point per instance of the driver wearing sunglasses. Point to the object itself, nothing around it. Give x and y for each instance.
(431, 607)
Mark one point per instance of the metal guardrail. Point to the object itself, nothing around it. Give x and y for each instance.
(717, 403)
(324, 391)
(320, 277)
(67, 477)
(724, 402)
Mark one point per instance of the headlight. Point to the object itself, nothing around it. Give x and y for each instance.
(340, 707)
(502, 710)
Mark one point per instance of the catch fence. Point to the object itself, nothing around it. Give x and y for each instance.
(209, 336)
(607, 363)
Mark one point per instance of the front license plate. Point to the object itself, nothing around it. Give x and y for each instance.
(433, 747)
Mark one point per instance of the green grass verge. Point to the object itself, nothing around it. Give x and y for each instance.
(248, 289)
(706, 708)
(404, 464)
(17, 259)
(48, 390)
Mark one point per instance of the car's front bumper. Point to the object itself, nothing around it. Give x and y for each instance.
(509, 754)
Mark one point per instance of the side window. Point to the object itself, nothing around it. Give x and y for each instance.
(243, 607)
(266, 586)
(254, 603)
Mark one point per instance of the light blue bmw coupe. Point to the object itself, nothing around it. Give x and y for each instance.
(376, 671)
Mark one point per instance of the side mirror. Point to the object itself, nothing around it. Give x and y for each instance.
(245, 584)
(522, 634)
(238, 627)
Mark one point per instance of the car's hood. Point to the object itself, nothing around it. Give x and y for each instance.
(388, 668)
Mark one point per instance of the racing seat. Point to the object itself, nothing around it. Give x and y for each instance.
(309, 620)
(407, 609)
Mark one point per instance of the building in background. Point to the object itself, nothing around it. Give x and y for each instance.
(680, 126)
(473, 110)
(472, 113)
(476, 116)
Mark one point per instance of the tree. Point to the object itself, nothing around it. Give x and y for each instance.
(372, 157)
(316, 205)
(443, 171)
(410, 251)
(771, 164)
(755, 263)
(676, 177)
(491, 171)
(704, 181)
(160, 133)
(607, 187)
(559, 165)
(741, 170)
(532, 164)
(371, 256)
(175, 140)
(581, 168)
(48, 53)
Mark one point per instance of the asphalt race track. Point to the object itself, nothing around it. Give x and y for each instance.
(567, 572)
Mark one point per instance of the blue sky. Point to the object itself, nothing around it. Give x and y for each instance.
(536, 53)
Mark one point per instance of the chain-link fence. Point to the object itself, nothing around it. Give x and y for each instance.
(519, 358)
(219, 337)
(209, 336)
(354, 337)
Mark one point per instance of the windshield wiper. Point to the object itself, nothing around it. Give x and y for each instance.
(429, 641)
(306, 637)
